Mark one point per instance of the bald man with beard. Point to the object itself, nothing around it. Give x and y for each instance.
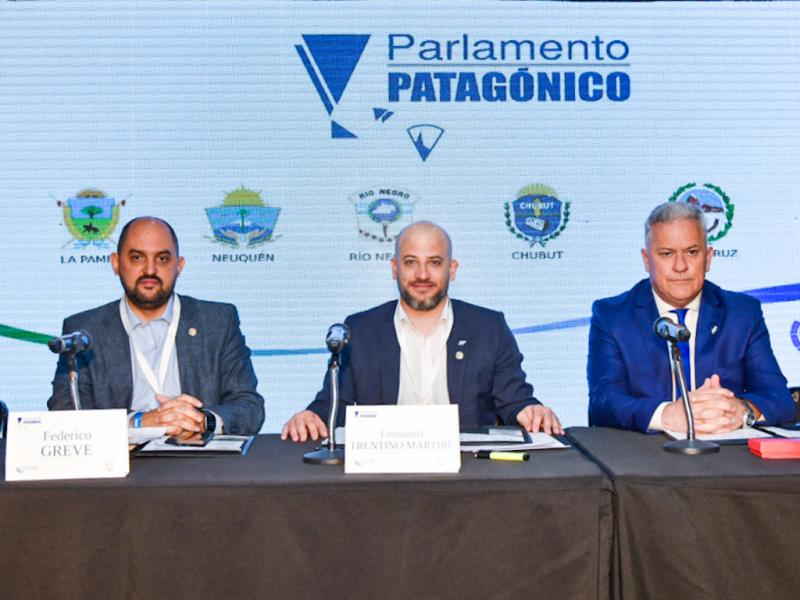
(172, 361)
(428, 349)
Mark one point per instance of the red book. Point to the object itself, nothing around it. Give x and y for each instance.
(775, 447)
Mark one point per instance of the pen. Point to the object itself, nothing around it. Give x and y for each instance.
(510, 456)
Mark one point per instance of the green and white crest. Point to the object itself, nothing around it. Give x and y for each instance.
(716, 206)
(91, 217)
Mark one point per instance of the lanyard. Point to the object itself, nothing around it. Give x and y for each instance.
(166, 352)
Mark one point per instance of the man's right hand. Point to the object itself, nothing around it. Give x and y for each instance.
(303, 425)
(715, 408)
(718, 410)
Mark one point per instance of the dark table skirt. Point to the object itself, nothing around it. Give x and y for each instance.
(268, 526)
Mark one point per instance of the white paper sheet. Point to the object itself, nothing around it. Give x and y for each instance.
(220, 443)
(140, 435)
(745, 433)
(539, 441)
(784, 433)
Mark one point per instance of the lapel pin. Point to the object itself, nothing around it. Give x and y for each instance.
(459, 355)
(462, 342)
(713, 330)
(192, 331)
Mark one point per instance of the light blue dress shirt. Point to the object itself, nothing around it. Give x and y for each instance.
(150, 339)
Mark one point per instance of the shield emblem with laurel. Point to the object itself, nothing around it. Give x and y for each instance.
(91, 217)
(382, 216)
(537, 215)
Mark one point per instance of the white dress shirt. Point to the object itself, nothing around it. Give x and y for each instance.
(665, 310)
(423, 359)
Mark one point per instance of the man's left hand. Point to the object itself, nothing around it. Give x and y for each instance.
(536, 417)
(180, 415)
(715, 408)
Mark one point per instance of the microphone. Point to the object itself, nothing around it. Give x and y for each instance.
(667, 329)
(76, 342)
(337, 337)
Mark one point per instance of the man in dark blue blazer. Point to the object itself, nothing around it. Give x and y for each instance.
(205, 383)
(429, 349)
(732, 373)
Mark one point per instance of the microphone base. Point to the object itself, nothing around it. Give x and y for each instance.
(691, 447)
(324, 456)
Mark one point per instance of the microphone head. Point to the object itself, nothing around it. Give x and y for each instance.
(669, 330)
(337, 338)
(76, 342)
(82, 341)
(661, 327)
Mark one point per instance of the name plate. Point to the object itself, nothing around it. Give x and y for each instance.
(402, 439)
(67, 444)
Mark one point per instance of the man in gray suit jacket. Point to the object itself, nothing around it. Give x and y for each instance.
(172, 361)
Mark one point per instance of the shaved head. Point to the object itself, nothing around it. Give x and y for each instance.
(123, 236)
(423, 227)
(423, 266)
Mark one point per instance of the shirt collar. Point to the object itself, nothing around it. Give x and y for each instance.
(664, 307)
(166, 316)
(401, 316)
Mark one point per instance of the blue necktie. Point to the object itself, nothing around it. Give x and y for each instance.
(684, 348)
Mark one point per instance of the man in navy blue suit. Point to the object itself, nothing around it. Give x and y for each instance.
(429, 349)
(732, 374)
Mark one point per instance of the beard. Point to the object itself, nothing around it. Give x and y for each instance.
(423, 305)
(148, 303)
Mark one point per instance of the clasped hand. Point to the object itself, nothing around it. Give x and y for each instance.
(716, 409)
(181, 415)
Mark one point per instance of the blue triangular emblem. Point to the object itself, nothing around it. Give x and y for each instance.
(336, 57)
(425, 137)
(339, 132)
(382, 114)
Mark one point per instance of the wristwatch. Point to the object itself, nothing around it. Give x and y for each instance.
(211, 421)
(749, 415)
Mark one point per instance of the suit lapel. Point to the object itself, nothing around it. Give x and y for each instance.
(119, 352)
(389, 356)
(184, 343)
(708, 324)
(458, 352)
(645, 314)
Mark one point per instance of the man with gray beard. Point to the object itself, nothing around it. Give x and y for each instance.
(428, 349)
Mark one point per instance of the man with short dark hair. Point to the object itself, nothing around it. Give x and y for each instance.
(733, 377)
(172, 361)
(429, 349)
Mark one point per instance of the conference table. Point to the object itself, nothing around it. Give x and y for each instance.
(266, 525)
(722, 525)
